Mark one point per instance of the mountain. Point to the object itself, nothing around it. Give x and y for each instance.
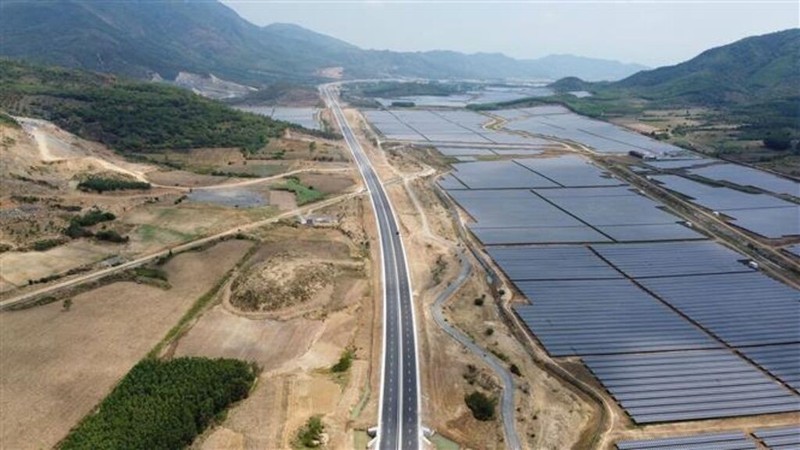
(756, 68)
(128, 116)
(146, 39)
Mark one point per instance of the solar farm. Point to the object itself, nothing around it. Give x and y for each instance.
(779, 438)
(443, 126)
(676, 327)
(305, 117)
(759, 213)
(603, 137)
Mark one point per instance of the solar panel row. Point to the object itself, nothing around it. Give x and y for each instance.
(760, 213)
(742, 309)
(747, 176)
(603, 137)
(557, 211)
(417, 125)
(689, 385)
(710, 441)
(784, 438)
(596, 317)
(783, 361)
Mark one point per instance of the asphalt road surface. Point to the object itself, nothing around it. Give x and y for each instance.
(398, 421)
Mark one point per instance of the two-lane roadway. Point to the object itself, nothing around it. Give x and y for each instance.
(398, 421)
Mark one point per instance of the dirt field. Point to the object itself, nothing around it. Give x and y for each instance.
(295, 346)
(19, 267)
(57, 365)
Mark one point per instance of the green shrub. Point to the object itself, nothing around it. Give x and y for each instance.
(303, 194)
(151, 272)
(345, 361)
(111, 236)
(46, 244)
(163, 404)
(93, 217)
(481, 405)
(311, 433)
(100, 185)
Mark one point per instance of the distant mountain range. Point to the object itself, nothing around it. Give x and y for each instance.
(147, 39)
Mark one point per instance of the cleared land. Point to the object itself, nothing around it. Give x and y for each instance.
(57, 365)
(297, 343)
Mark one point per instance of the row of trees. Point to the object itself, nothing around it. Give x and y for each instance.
(163, 404)
(102, 184)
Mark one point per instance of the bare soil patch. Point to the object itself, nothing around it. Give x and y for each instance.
(57, 365)
(295, 345)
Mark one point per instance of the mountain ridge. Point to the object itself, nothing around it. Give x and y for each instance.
(140, 39)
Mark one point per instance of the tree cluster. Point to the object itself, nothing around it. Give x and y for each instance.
(163, 404)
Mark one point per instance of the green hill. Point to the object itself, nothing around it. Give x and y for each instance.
(754, 69)
(128, 115)
(751, 86)
(143, 38)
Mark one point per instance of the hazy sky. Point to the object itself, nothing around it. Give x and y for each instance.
(655, 32)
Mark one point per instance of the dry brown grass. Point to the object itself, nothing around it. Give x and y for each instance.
(57, 365)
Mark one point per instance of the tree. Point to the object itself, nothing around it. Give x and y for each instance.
(481, 405)
(67, 304)
(312, 146)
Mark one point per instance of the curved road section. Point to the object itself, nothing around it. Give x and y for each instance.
(398, 419)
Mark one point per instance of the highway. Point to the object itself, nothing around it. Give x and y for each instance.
(398, 417)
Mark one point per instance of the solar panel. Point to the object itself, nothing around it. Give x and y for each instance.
(709, 441)
(498, 175)
(783, 438)
(680, 163)
(551, 263)
(679, 386)
(591, 317)
(782, 361)
(672, 258)
(537, 235)
(570, 171)
(743, 309)
(511, 208)
(748, 176)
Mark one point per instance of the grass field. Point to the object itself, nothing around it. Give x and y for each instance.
(57, 365)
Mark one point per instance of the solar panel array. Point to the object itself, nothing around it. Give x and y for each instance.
(780, 438)
(571, 201)
(709, 441)
(551, 263)
(747, 176)
(531, 150)
(667, 387)
(663, 259)
(760, 213)
(570, 171)
(783, 438)
(742, 309)
(783, 361)
(603, 317)
(649, 317)
(459, 126)
(504, 174)
(306, 117)
(603, 137)
(680, 163)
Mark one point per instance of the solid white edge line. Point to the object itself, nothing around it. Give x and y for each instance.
(334, 106)
(413, 323)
